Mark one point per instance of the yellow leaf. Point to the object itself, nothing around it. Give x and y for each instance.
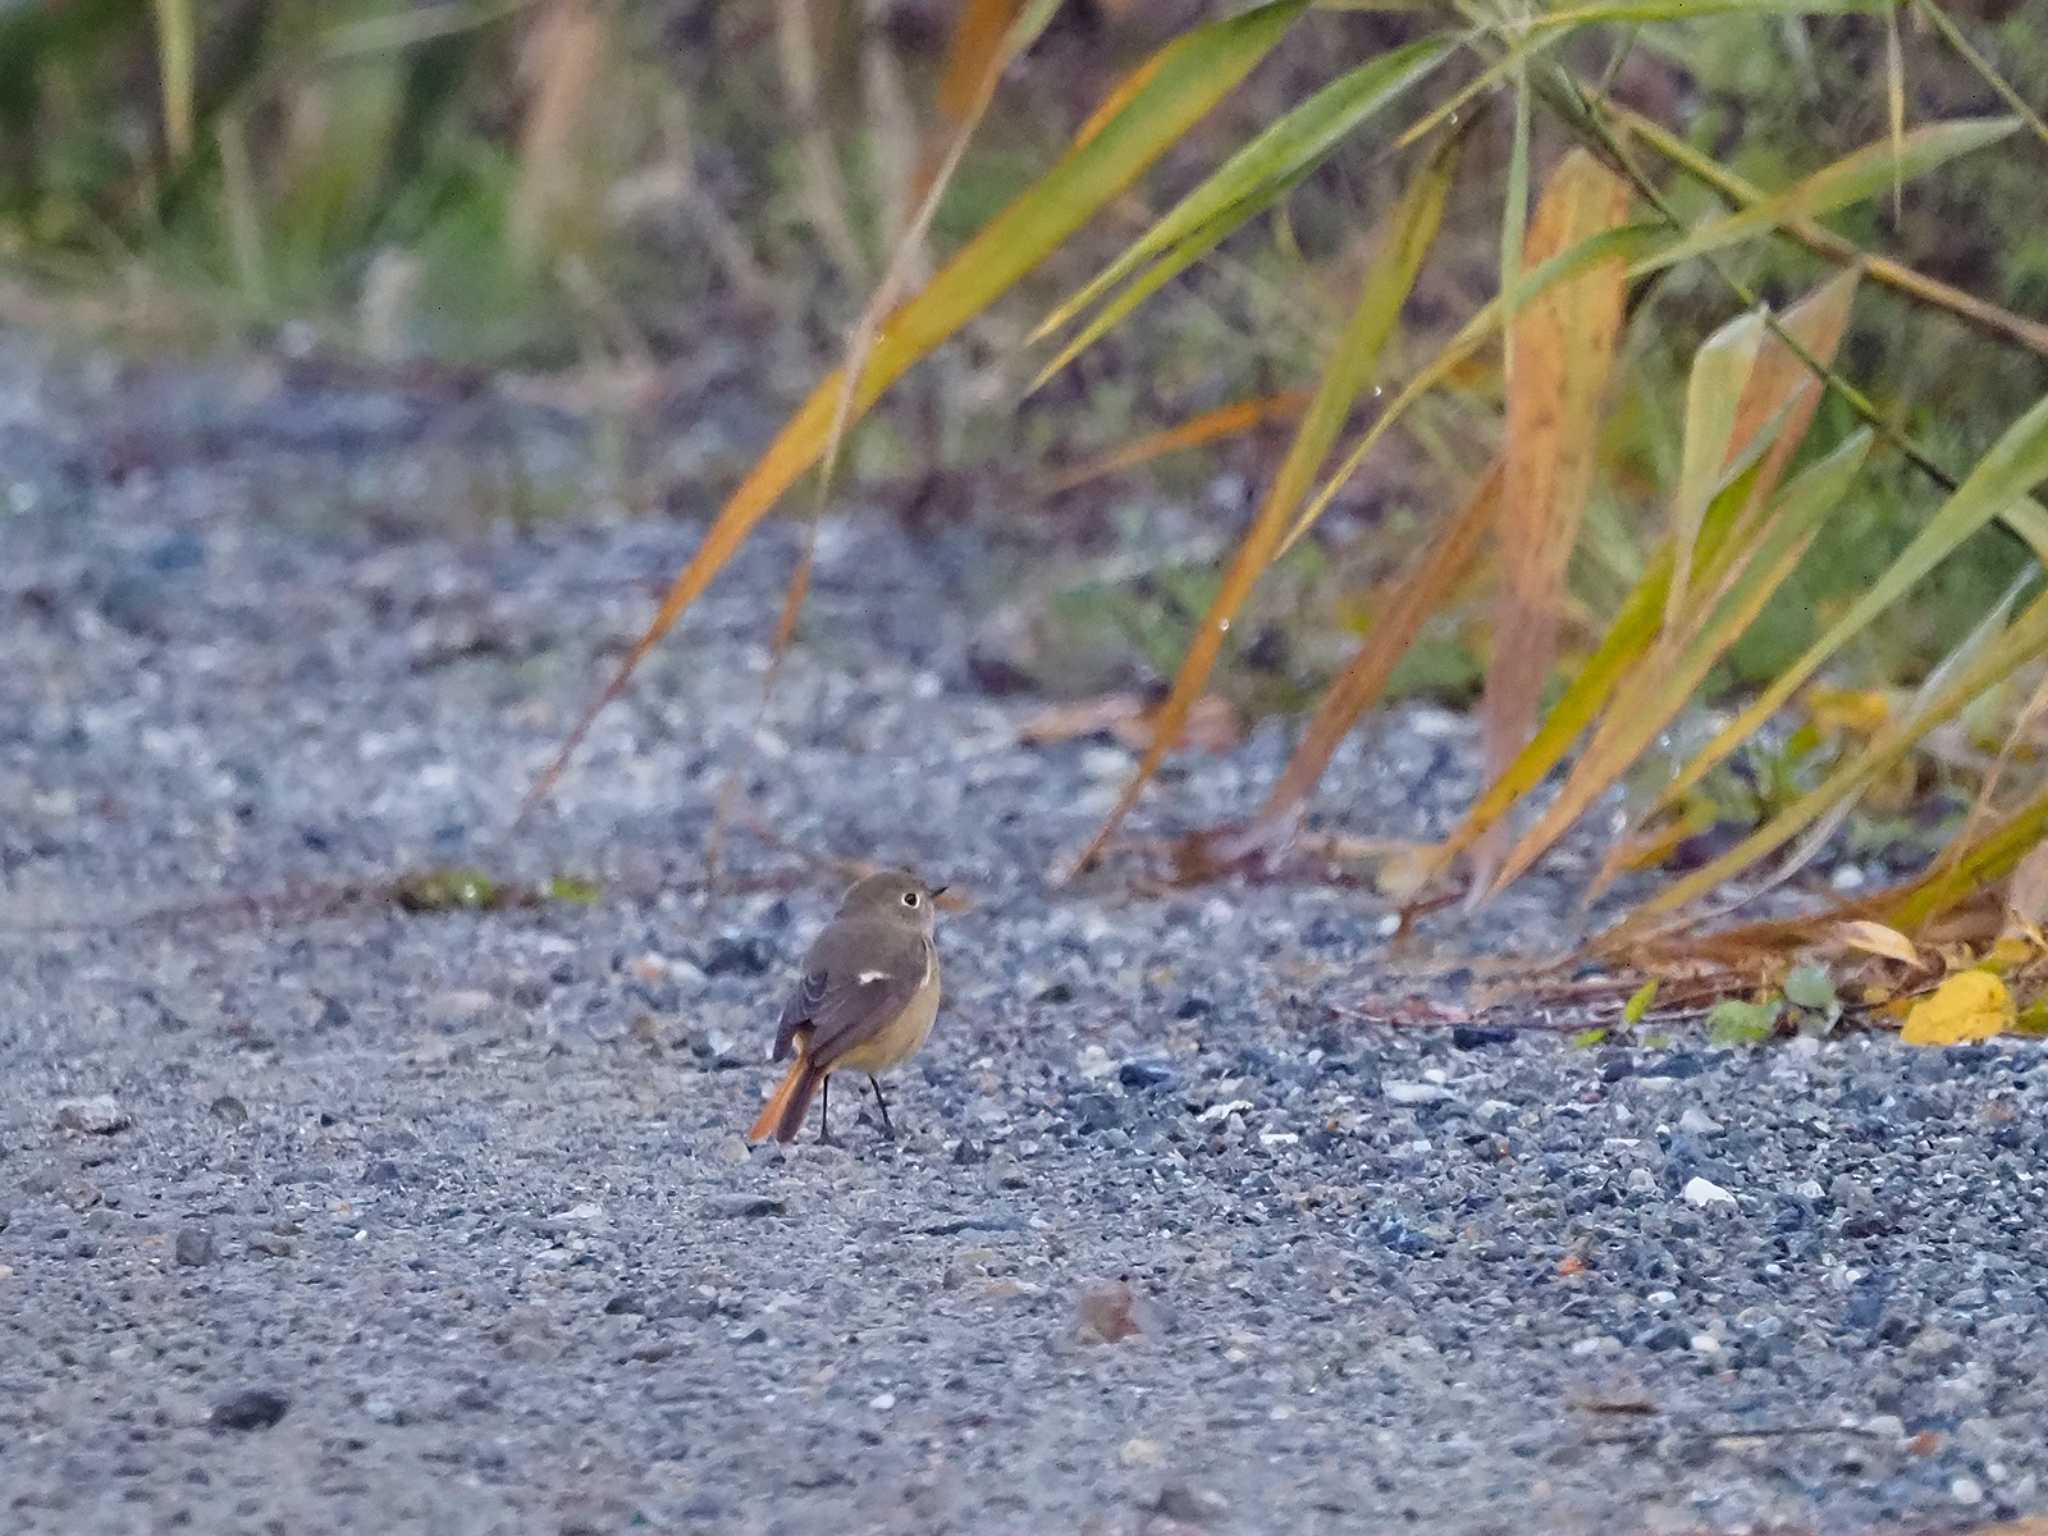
(1970, 1005)
(2008, 953)
(1848, 711)
(1876, 939)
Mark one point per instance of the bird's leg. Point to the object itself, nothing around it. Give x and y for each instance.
(825, 1113)
(883, 1105)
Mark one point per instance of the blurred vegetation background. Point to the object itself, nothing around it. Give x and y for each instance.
(643, 204)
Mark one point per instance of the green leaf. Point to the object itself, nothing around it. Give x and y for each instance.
(1264, 169)
(1862, 174)
(1639, 1003)
(574, 890)
(1810, 986)
(1735, 1022)
(1586, 1038)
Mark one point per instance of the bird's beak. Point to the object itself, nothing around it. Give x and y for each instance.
(939, 890)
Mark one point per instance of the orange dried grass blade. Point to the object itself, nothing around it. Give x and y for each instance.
(1412, 229)
(1210, 426)
(1364, 679)
(1563, 352)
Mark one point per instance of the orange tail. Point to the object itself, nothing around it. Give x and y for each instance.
(784, 1116)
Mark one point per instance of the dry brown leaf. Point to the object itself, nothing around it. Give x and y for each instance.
(1876, 939)
(1563, 353)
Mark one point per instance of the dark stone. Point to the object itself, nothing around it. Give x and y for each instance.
(729, 956)
(1140, 1074)
(229, 1108)
(1678, 1064)
(382, 1171)
(1058, 992)
(624, 1302)
(1615, 1065)
(1194, 1006)
(253, 1408)
(745, 1205)
(1402, 1238)
(1665, 1336)
(195, 1247)
(967, 1153)
(1472, 1037)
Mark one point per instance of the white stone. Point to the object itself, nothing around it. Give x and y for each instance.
(1703, 1192)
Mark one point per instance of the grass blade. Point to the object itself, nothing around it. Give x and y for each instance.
(1611, 245)
(1364, 678)
(1562, 354)
(1861, 174)
(2025, 641)
(1262, 170)
(1656, 693)
(1967, 307)
(1770, 422)
(1208, 427)
(1411, 231)
(2016, 462)
(1718, 384)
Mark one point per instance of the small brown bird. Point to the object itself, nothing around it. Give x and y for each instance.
(865, 1002)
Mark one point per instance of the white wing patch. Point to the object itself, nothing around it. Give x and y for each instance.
(868, 978)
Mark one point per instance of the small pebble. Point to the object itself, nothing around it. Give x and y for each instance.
(255, 1408)
(97, 1116)
(1703, 1193)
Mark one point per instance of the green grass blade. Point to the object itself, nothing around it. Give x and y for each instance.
(1861, 174)
(2017, 462)
(1265, 168)
(2026, 641)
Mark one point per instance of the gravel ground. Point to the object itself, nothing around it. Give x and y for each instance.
(442, 1222)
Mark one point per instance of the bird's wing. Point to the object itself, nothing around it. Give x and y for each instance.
(857, 978)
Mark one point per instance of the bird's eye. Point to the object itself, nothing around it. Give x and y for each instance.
(910, 898)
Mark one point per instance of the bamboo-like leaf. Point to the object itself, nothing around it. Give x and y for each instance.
(1364, 679)
(2016, 462)
(1986, 317)
(1177, 87)
(1150, 281)
(1861, 174)
(2024, 642)
(1208, 427)
(1411, 230)
(1563, 352)
(1715, 390)
(1770, 423)
(1263, 170)
(1657, 693)
(1610, 245)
